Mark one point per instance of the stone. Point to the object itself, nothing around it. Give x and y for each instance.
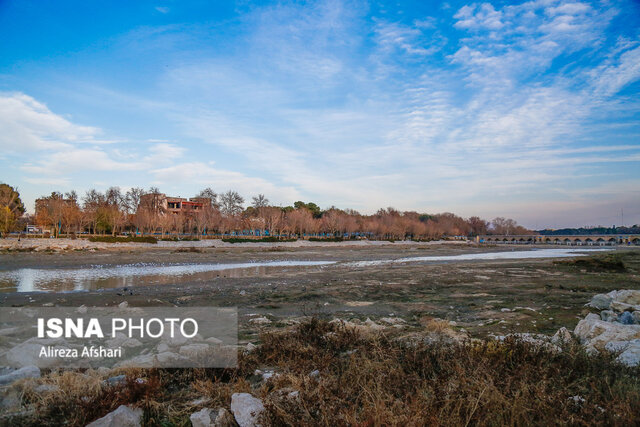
(636, 317)
(208, 417)
(608, 315)
(562, 336)
(260, 321)
(193, 350)
(314, 373)
(601, 301)
(631, 354)
(30, 371)
(115, 381)
(392, 320)
(628, 296)
(246, 409)
(124, 416)
(214, 340)
(123, 305)
(595, 333)
(626, 318)
(250, 347)
(46, 388)
(82, 309)
(168, 358)
(623, 306)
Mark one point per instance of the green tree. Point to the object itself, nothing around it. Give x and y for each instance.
(11, 208)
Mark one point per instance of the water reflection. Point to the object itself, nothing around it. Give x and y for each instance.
(98, 277)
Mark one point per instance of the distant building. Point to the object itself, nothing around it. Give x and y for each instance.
(174, 205)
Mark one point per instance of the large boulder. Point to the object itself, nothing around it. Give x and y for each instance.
(595, 333)
(121, 417)
(246, 409)
(30, 371)
(601, 301)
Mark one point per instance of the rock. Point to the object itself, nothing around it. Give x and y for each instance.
(628, 296)
(626, 318)
(115, 381)
(82, 309)
(168, 358)
(608, 315)
(246, 409)
(47, 304)
(595, 333)
(315, 373)
(193, 350)
(636, 317)
(162, 347)
(30, 371)
(631, 354)
(214, 340)
(623, 306)
(46, 388)
(121, 417)
(562, 336)
(373, 325)
(200, 401)
(260, 321)
(208, 417)
(601, 301)
(250, 347)
(123, 305)
(392, 320)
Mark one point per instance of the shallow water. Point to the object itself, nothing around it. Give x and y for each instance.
(104, 277)
(536, 253)
(99, 277)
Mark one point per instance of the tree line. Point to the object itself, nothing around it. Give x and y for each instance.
(144, 212)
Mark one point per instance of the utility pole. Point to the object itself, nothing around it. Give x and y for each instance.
(622, 216)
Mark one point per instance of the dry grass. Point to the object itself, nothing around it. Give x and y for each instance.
(371, 380)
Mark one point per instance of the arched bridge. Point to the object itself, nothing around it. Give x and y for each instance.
(580, 240)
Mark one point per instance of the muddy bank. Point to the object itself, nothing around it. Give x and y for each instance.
(535, 295)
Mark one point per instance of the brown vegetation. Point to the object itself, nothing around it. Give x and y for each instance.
(372, 379)
(145, 212)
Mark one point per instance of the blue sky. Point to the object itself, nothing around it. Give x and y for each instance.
(528, 110)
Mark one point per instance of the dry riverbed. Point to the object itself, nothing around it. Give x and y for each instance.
(396, 357)
(481, 296)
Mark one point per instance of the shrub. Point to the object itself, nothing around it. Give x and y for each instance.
(269, 239)
(123, 239)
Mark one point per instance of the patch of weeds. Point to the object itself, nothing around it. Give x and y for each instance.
(606, 263)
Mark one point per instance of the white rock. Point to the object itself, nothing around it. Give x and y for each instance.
(123, 305)
(260, 321)
(208, 417)
(246, 409)
(193, 350)
(631, 354)
(82, 309)
(562, 336)
(595, 333)
(121, 417)
(30, 371)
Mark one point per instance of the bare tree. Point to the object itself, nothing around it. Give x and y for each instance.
(260, 201)
(208, 193)
(231, 203)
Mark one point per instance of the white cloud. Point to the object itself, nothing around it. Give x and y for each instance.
(28, 125)
(482, 16)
